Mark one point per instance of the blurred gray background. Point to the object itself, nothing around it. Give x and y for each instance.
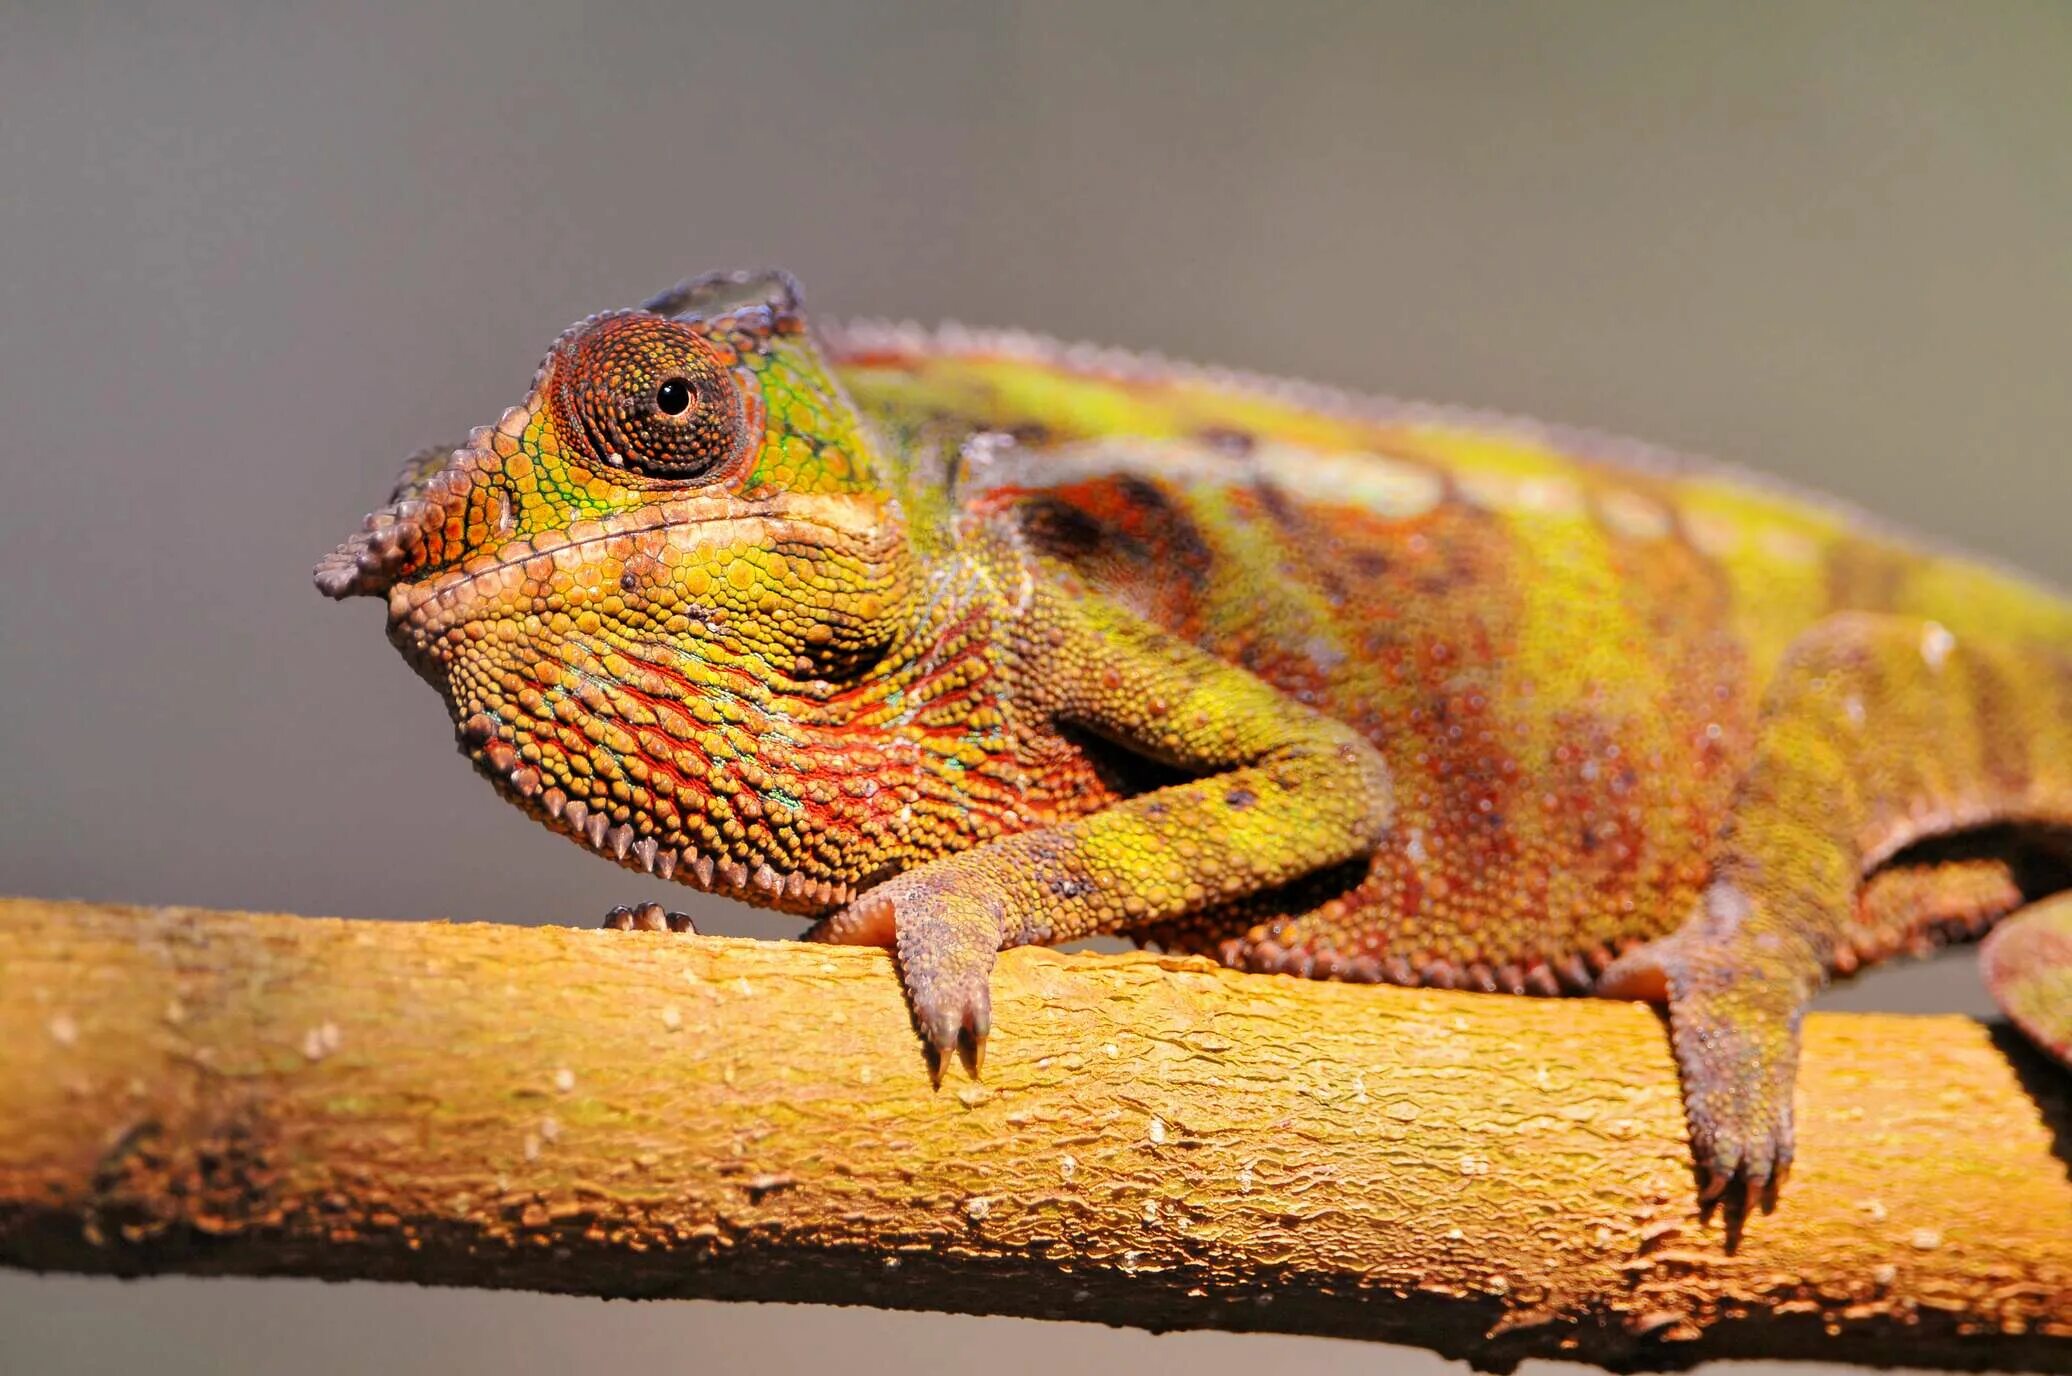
(251, 254)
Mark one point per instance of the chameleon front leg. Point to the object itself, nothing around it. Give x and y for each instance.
(1877, 732)
(1287, 792)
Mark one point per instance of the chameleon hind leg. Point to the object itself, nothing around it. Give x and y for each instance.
(1285, 792)
(1877, 733)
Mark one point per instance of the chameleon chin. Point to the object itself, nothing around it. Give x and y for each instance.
(957, 640)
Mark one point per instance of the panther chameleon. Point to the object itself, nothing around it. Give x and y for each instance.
(955, 640)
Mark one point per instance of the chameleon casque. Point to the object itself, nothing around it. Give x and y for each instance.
(958, 640)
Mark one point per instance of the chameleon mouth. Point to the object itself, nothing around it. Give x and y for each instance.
(692, 523)
(411, 533)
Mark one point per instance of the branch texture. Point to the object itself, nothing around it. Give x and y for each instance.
(1155, 1143)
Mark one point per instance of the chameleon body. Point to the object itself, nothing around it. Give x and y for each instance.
(954, 640)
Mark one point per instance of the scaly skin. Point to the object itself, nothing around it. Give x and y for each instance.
(961, 641)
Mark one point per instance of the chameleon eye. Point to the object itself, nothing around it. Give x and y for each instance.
(650, 396)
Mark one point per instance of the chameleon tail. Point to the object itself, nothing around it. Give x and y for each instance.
(2028, 965)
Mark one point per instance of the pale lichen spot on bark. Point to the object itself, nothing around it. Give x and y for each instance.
(321, 1040)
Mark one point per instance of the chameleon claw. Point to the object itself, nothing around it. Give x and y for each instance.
(1745, 1176)
(958, 1030)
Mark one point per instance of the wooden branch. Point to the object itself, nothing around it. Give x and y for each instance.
(1155, 1143)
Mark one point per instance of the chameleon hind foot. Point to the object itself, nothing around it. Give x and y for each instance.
(1734, 1012)
(1838, 783)
(648, 917)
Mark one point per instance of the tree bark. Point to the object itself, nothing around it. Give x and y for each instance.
(1155, 1143)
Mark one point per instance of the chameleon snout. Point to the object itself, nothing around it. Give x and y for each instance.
(446, 502)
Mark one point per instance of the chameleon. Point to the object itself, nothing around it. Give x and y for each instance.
(951, 640)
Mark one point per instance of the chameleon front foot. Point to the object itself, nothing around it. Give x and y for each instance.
(946, 934)
(1734, 1030)
(647, 917)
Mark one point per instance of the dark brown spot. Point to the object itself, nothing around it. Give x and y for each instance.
(1066, 886)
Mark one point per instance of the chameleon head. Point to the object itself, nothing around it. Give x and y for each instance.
(679, 530)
